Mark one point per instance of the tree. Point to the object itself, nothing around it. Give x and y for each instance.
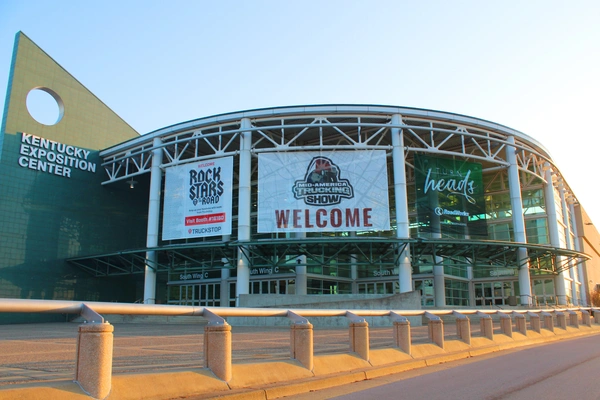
(595, 297)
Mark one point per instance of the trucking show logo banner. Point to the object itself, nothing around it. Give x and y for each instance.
(450, 197)
(322, 184)
(198, 199)
(322, 191)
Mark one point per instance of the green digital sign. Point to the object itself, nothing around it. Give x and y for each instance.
(450, 201)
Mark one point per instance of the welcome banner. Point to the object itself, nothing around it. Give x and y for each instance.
(198, 199)
(322, 191)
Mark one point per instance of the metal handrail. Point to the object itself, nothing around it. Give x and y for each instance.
(77, 307)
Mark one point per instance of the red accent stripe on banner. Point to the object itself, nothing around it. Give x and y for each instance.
(205, 219)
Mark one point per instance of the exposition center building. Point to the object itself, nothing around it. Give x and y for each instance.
(303, 200)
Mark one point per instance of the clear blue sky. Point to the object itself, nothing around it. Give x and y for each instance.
(531, 65)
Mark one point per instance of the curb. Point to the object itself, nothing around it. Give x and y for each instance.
(325, 382)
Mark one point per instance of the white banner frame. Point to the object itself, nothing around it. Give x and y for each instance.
(198, 199)
(335, 191)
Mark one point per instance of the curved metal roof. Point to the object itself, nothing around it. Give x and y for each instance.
(348, 109)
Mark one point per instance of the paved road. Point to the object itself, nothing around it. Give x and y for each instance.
(567, 369)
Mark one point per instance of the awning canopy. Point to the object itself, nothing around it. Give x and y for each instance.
(372, 251)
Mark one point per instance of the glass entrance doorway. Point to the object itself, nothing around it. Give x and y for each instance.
(425, 287)
(379, 287)
(275, 286)
(204, 295)
(544, 292)
(496, 293)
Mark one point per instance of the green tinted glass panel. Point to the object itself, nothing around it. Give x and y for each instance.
(450, 197)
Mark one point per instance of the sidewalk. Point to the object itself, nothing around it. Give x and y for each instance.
(34, 353)
(164, 361)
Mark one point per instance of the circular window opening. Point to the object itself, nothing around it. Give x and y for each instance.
(45, 106)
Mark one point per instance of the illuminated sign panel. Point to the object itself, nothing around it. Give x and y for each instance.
(450, 197)
(322, 191)
(198, 199)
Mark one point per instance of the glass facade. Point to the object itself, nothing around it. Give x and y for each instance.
(457, 292)
(45, 219)
(544, 292)
(497, 293)
(466, 283)
(322, 286)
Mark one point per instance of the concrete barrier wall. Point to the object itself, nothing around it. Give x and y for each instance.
(403, 301)
(304, 371)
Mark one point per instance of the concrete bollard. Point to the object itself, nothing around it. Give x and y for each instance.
(217, 350)
(359, 339)
(402, 337)
(597, 316)
(301, 344)
(521, 322)
(506, 325)
(585, 318)
(463, 329)
(487, 327)
(573, 319)
(561, 320)
(534, 320)
(436, 332)
(93, 371)
(548, 322)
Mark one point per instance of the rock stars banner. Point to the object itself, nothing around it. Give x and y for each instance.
(450, 200)
(323, 191)
(198, 199)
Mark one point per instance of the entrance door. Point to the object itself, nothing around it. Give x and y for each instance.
(209, 295)
(425, 286)
(279, 286)
(186, 295)
(544, 292)
(379, 287)
(205, 295)
(493, 293)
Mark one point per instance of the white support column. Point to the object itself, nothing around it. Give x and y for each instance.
(580, 274)
(516, 202)
(300, 268)
(402, 226)
(225, 275)
(354, 268)
(153, 222)
(244, 203)
(471, 285)
(224, 290)
(572, 272)
(553, 229)
(439, 284)
(439, 280)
